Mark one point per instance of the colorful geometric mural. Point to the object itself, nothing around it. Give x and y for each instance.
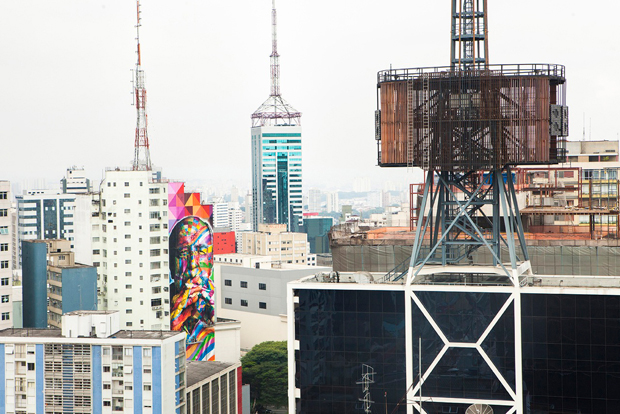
(192, 292)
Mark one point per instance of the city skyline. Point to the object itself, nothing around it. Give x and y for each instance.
(67, 83)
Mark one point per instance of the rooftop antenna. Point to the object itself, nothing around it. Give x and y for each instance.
(275, 57)
(142, 157)
(368, 377)
(275, 110)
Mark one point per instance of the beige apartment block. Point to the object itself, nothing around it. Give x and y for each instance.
(273, 240)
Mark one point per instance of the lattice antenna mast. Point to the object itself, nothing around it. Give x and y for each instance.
(275, 57)
(469, 35)
(142, 157)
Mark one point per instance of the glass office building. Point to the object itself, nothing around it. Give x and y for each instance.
(566, 361)
(277, 176)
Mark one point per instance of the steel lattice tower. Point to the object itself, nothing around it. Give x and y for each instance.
(469, 35)
(142, 157)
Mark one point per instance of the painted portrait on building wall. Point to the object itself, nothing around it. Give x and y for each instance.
(192, 292)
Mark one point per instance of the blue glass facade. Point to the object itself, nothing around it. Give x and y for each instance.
(570, 350)
(277, 176)
(338, 331)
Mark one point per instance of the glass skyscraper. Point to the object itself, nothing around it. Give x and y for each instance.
(276, 175)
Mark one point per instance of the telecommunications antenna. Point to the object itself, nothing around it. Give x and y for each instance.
(479, 409)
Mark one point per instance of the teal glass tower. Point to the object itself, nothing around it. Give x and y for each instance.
(276, 154)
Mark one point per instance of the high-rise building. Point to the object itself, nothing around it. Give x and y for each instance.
(276, 155)
(130, 244)
(6, 240)
(332, 202)
(314, 200)
(317, 228)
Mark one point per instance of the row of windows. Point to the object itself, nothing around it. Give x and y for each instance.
(244, 284)
(244, 303)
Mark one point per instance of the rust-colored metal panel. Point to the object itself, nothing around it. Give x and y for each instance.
(469, 120)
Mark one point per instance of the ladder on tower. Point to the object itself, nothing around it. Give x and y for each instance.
(426, 135)
(410, 149)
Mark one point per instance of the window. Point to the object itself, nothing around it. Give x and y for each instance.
(227, 282)
(6, 316)
(147, 387)
(128, 299)
(106, 368)
(107, 403)
(3, 212)
(128, 223)
(30, 366)
(107, 386)
(128, 236)
(262, 305)
(262, 286)
(244, 302)
(228, 301)
(126, 184)
(5, 298)
(4, 281)
(146, 352)
(96, 251)
(128, 311)
(126, 195)
(4, 247)
(3, 195)
(156, 290)
(156, 302)
(4, 229)
(244, 284)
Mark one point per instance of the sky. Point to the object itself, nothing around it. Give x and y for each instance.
(65, 91)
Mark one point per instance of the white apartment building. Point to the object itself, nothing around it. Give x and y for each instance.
(273, 240)
(130, 247)
(6, 272)
(90, 366)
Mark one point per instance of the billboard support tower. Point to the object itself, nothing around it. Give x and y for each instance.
(466, 125)
(142, 157)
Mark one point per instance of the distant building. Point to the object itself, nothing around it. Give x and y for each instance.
(45, 215)
(314, 200)
(275, 241)
(49, 266)
(224, 242)
(6, 258)
(317, 229)
(90, 366)
(75, 182)
(214, 386)
(333, 202)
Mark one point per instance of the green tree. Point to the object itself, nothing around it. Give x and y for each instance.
(265, 368)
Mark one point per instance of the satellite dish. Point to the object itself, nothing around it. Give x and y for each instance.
(479, 409)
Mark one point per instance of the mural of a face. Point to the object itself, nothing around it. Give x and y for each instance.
(192, 291)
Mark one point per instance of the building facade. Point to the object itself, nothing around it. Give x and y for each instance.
(92, 367)
(549, 346)
(253, 291)
(45, 214)
(130, 245)
(275, 241)
(276, 175)
(317, 230)
(213, 387)
(6, 256)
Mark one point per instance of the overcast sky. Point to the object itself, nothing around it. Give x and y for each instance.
(65, 78)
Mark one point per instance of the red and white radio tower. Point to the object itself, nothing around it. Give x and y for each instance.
(142, 157)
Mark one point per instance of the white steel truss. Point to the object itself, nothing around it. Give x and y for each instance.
(415, 398)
